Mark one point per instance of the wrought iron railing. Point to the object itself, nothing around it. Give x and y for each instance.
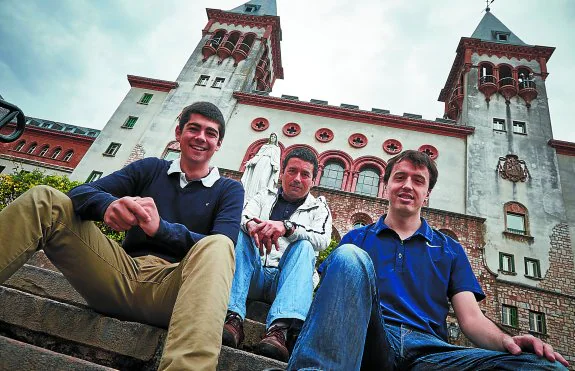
(7, 115)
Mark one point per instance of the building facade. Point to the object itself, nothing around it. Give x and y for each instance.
(53, 147)
(505, 186)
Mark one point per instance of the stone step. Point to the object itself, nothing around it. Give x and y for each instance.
(19, 356)
(53, 285)
(81, 332)
(256, 310)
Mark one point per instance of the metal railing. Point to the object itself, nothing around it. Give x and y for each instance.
(487, 79)
(506, 81)
(12, 113)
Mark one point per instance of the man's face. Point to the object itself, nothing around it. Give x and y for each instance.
(407, 188)
(297, 179)
(199, 140)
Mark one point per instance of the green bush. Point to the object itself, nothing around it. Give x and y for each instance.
(325, 253)
(13, 185)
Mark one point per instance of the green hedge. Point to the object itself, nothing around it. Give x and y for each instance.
(13, 185)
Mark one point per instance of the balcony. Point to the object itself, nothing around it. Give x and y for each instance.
(241, 52)
(488, 86)
(209, 48)
(507, 88)
(225, 50)
(527, 91)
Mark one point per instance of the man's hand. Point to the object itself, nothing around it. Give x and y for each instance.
(124, 213)
(150, 225)
(515, 345)
(266, 233)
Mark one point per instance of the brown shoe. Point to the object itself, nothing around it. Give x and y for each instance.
(233, 334)
(273, 345)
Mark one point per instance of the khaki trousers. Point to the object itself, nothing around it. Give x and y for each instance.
(190, 298)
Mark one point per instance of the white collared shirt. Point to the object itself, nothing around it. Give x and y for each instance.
(207, 181)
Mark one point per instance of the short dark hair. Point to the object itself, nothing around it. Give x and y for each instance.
(418, 159)
(209, 111)
(303, 154)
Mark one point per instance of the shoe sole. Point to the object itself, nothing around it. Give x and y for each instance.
(270, 351)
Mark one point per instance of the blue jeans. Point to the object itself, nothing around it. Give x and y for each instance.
(288, 287)
(346, 331)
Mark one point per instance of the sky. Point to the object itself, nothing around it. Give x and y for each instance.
(67, 60)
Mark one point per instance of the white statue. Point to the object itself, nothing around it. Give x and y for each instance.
(262, 171)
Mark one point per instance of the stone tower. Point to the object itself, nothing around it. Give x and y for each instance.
(497, 86)
(239, 51)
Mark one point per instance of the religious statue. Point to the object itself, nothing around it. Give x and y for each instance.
(262, 170)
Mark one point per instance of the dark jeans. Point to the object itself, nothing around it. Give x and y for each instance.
(345, 331)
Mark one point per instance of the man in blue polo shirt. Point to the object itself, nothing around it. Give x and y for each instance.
(175, 266)
(385, 293)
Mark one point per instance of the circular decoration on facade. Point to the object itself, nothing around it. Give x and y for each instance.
(291, 129)
(357, 140)
(392, 146)
(429, 150)
(324, 135)
(260, 124)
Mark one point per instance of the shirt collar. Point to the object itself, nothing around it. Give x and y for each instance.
(297, 202)
(208, 181)
(424, 230)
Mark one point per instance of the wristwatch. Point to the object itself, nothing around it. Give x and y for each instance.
(289, 226)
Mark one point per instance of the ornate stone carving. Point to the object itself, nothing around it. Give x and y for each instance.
(512, 168)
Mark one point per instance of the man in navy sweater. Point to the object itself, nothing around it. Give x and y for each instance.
(176, 265)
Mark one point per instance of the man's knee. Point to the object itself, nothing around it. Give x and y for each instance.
(48, 193)
(349, 255)
(217, 246)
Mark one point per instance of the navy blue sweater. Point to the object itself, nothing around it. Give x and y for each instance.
(187, 214)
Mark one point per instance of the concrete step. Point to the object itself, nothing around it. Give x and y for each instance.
(19, 356)
(83, 333)
(256, 310)
(53, 285)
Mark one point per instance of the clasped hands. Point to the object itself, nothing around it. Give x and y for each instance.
(266, 233)
(127, 212)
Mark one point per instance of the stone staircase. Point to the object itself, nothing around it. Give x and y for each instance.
(46, 325)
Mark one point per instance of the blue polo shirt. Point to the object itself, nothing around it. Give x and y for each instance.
(416, 277)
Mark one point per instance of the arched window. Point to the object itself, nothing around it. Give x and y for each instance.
(56, 153)
(19, 146)
(358, 224)
(332, 176)
(68, 156)
(368, 182)
(486, 73)
(43, 151)
(32, 148)
(505, 76)
(516, 219)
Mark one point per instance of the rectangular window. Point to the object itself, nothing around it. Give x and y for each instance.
(203, 80)
(537, 322)
(2, 168)
(130, 122)
(112, 149)
(519, 127)
(515, 223)
(146, 98)
(509, 316)
(94, 175)
(532, 268)
(171, 155)
(218, 83)
(499, 124)
(506, 263)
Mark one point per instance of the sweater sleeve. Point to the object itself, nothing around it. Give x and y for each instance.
(91, 200)
(226, 222)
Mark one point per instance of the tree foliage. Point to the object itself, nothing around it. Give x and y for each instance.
(325, 253)
(13, 185)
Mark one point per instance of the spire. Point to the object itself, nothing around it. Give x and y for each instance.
(491, 29)
(257, 7)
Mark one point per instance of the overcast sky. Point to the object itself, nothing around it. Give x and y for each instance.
(67, 60)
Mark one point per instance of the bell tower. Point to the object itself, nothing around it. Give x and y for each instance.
(239, 51)
(497, 86)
